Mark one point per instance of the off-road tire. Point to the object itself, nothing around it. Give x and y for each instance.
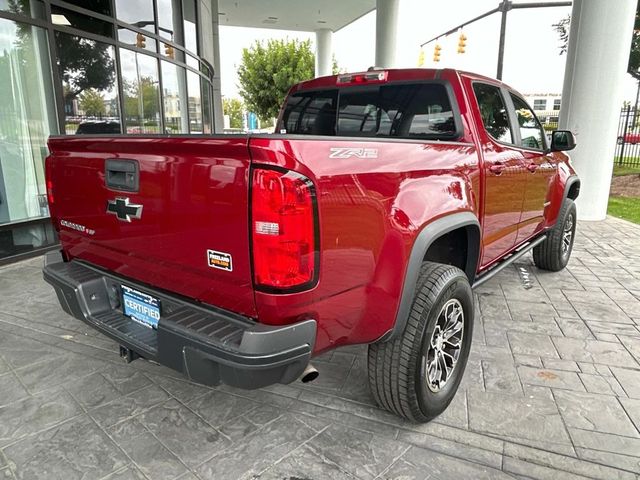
(550, 254)
(396, 368)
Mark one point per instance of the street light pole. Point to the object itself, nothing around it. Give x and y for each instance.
(504, 7)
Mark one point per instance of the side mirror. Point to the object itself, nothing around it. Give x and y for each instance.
(562, 140)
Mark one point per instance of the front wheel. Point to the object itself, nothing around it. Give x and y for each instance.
(417, 374)
(553, 254)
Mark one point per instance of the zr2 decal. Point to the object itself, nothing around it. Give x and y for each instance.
(348, 152)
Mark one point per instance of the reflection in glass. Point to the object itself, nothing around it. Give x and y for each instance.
(174, 91)
(166, 13)
(34, 8)
(195, 102)
(140, 87)
(138, 13)
(136, 39)
(89, 83)
(531, 133)
(207, 118)
(62, 16)
(190, 35)
(99, 6)
(27, 118)
(493, 112)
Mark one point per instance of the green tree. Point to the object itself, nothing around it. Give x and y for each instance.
(562, 27)
(235, 109)
(268, 71)
(148, 90)
(92, 103)
(84, 64)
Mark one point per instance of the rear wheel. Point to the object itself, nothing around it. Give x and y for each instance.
(553, 254)
(417, 374)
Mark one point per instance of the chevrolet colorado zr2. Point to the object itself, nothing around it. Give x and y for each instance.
(379, 202)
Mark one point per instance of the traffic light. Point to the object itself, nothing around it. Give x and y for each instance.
(421, 58)
(169, 52)
(140, 41)
(436, 53)
(462, 43)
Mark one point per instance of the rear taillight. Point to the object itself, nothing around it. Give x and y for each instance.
(51, 199)
(283, 230)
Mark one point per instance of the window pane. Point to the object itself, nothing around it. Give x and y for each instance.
(406, 111)
(62, 16)
(207, 118)
(167, 10)
(556, 104)
(99, 6)
(136, 39)
(140, 87)
(493, 112)
(138, 13)
(195, 102)
(34, 8)
(190, 32)
(27, 118)
(174, 95)
(531, 132)
(539, 104)
(310, 113)
(89, 85)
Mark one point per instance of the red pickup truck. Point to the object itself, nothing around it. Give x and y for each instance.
(380, 201)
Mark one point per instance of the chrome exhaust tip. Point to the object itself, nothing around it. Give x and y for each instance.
(310, 374)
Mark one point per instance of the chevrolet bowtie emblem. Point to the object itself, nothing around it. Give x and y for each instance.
(124, 210)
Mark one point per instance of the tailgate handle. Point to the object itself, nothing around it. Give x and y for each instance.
(122, 175)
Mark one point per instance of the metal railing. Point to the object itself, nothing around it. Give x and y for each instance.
(628, 138)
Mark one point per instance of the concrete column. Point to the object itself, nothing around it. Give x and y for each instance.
(597, 57)
(324, 63)
(218, 116)
(386, 32)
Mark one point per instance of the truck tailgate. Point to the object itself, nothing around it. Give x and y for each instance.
(191, 234)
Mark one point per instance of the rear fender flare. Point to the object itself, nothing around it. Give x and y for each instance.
(430, 233)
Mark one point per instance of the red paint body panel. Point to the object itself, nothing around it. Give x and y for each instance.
(195, 192)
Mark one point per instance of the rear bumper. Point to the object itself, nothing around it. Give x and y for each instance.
(208, 345)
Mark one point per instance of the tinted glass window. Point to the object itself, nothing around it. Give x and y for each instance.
(100, 6)
(493, 112)
(531, 133)
(174, 91)
(311, 113)
(88, 80)
(405, 111)
(141, 90)
(62, 16)
(138, 13)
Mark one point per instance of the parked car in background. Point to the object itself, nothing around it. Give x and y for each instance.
(98, 127)
(381, 200)
(631, 137)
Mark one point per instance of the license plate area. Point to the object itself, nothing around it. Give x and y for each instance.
(140, 307)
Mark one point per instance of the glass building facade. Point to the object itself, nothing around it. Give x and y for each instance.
(89, 67)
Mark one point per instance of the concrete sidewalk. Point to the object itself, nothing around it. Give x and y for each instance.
(552, 390)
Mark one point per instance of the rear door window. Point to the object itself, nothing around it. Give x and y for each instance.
(493, 112)
(420, 111)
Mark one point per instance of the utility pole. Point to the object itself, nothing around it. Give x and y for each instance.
(504, 7)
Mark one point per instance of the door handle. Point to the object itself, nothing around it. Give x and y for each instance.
(532, 167)
(497, 168)
(122, 175)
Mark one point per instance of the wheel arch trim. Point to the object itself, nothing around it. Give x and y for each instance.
(429, 234)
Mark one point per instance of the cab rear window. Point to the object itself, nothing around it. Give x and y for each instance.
(420, 111)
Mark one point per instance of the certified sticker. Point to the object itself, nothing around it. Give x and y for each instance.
(220, 260)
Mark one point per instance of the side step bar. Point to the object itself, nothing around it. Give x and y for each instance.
(519, 253)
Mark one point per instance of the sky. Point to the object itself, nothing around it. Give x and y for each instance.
(532, 64)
